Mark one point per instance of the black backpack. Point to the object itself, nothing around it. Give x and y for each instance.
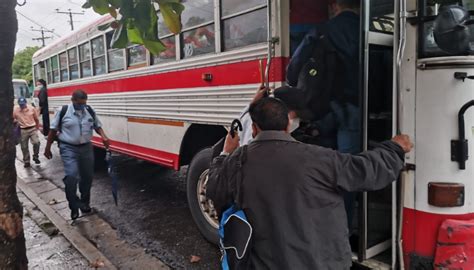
(321, 77)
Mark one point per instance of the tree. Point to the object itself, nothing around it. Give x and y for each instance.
(22, 68)
(12, 239)
(136, 21)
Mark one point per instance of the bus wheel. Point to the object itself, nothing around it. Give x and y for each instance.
(202, 209)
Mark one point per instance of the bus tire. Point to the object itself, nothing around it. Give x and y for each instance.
(196, 177)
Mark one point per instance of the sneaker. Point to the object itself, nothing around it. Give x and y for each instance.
(86, 209)
(74, 214)
(27, 165)
(36, 160)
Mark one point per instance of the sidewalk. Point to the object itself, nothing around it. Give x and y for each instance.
(90, 235)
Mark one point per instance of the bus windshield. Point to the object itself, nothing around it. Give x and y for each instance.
(20, 89)
(429, 10)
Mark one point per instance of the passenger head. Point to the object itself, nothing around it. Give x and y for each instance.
(294, 99)
(41, 82)
(338, 6)
(268, 114)
(22, 102)
(79, 99)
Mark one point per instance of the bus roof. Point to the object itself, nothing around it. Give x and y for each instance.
(19, 81)
(73, 39)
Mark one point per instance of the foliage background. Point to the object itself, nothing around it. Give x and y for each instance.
(21, 67)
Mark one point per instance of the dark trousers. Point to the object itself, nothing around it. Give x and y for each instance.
(79, 169)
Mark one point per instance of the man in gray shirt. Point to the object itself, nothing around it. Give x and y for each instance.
(73, 126)
(292, 193)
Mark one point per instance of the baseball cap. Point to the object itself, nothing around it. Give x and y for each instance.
(293, 97)
(22, 101)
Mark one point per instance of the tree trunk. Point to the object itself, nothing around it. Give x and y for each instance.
(12, 239)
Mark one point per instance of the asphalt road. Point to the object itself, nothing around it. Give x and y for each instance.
(152, 211)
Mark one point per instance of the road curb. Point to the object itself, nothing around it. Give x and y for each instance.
(86, 248)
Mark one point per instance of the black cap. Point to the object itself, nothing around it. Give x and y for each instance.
(293, 97)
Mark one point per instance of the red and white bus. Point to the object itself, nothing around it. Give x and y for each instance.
(167, 108)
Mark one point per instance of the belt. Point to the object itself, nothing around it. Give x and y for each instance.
(28, 127)
(76, 145)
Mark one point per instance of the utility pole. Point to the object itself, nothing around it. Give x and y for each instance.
(70, 13)
(42, 38)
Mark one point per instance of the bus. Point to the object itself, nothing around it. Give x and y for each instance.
(171, 108)
(21, 89)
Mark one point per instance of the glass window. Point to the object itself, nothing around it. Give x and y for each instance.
(98, 55)
(169, 54)
(162, 29)
(73, 66)
(136, 55)
(116, 60)
(233, 6)
(246, 29)
(84, 58)
(48, 71)
(63, 66)
(197, 12)
(55, 68)
(199, 41)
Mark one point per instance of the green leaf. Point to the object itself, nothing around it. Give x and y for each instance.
(120, 37)
(171, 11)
(154, 46)
(100, 6)
(104, 27)
(134, 35)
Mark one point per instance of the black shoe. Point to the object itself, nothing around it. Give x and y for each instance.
(27, 165)
(74, 214)
(86, 209)
(36, 160)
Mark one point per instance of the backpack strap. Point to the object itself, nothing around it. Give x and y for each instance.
(91, 112)
(61, 116)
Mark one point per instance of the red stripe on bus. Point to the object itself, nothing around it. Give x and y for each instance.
(420, 231)
(228, 74)
(166, 159)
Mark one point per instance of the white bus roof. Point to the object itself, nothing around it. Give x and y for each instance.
(19, 81)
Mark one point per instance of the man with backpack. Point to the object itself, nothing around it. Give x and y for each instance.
(292, 193)
(73, 126)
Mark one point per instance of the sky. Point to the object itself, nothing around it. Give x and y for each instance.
(42, 13)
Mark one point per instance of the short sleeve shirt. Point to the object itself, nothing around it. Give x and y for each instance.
(77, 126)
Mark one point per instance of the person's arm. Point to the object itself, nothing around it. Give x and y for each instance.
(53, 131)
(221, 183)
(371, 170)
(35, 117)
(299, 58)
(105, 139)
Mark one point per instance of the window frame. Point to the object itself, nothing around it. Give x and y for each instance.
(81, 62)
(61, 67)
(103, 55)
(53, 69)
(139, 64)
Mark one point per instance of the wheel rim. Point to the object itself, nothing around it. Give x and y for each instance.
(205, 205)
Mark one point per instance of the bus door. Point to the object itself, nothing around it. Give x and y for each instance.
(375, 219)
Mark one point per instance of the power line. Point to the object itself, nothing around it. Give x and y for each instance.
(37, 23)
(42, 38)
(70, 13)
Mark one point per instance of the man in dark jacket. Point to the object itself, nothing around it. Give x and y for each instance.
(292, 193)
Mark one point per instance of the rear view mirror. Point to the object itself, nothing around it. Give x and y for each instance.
(451, 30)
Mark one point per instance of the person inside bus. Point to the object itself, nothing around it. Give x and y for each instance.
(75, 125)
(27, 118)
(340, 128)
(43, 105)
(292, 193)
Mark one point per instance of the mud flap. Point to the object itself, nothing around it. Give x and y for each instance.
(455, 246)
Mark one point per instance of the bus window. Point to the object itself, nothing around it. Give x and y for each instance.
(169, 54)
(20, 89)
(244, 23)
(55, 68)
(40, 71)
(116, 57)
(98, 55)
(73, 66)
(84, 58)
(63, 66)
(136, 55)
(198, 33)
(48, 71)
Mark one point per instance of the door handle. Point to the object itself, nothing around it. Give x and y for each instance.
(463, 76)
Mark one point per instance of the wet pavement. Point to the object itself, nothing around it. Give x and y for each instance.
(152, 212)
(45, 247)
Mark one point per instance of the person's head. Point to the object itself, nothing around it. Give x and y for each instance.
(41, 82)
(338, 6)
(22, 102)
(268, 114)
(79, 99)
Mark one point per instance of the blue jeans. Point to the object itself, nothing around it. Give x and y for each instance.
(79, 169)
(344, 122)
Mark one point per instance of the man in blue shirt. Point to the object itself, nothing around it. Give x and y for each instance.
(74, 133)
